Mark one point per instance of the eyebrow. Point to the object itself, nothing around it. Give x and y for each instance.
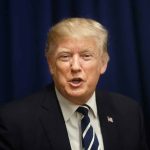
(88, 51)
(67, 50)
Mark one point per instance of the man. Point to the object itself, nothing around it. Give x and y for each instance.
(71, 113)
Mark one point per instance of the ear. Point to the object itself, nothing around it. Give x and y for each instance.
(50, 64)
(104, 63)
(103, 68)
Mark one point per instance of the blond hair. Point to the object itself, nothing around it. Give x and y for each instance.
(77, 28)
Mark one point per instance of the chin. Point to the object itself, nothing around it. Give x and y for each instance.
(76, 91)
(77, 94)
(74, 94)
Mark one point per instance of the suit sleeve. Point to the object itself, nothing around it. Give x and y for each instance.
(6, 139)
(144, 145)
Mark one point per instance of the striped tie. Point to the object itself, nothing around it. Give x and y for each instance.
(89, 138)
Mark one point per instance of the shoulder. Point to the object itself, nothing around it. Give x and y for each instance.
(25, 106)
(116, 98)
(118, 103)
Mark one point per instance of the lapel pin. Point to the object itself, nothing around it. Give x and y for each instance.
(110, 119)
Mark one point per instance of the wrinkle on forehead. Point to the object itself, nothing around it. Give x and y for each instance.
(76, 45)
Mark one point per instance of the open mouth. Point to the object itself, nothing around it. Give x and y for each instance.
(76, 81)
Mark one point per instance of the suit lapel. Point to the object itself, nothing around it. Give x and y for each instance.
(53, 122)
(109, 122)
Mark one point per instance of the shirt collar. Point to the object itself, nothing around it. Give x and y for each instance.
(68, 108)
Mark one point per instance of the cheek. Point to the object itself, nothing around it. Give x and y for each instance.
(92, 68)
(61, 67)
(61, 70)
(93, 72)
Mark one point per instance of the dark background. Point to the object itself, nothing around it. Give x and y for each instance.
(23, 31)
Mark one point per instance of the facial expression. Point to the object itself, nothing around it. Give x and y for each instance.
(76, 65)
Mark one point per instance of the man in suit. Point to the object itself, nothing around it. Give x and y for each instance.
(51, 119)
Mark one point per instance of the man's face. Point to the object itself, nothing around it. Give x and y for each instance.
(76, 65)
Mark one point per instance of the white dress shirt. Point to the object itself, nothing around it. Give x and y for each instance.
(73, 121)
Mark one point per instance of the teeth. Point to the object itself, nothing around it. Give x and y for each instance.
(76, 80)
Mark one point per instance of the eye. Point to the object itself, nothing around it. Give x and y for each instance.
(87, 56)
(64, 57)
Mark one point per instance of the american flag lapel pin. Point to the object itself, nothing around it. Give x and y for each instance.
(110, 119)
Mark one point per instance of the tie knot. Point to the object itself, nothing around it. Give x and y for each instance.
(83, 109)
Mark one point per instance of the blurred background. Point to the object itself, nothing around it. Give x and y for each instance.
(23, 31)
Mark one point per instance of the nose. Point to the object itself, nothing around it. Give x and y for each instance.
(75, 64)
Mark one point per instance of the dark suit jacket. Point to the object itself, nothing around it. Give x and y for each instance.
(36, 123)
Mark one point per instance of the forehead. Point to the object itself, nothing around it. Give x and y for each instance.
(76, 44)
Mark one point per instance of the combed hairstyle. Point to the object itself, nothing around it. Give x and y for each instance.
(77, 28)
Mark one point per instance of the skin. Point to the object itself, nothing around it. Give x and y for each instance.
(76, 65)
